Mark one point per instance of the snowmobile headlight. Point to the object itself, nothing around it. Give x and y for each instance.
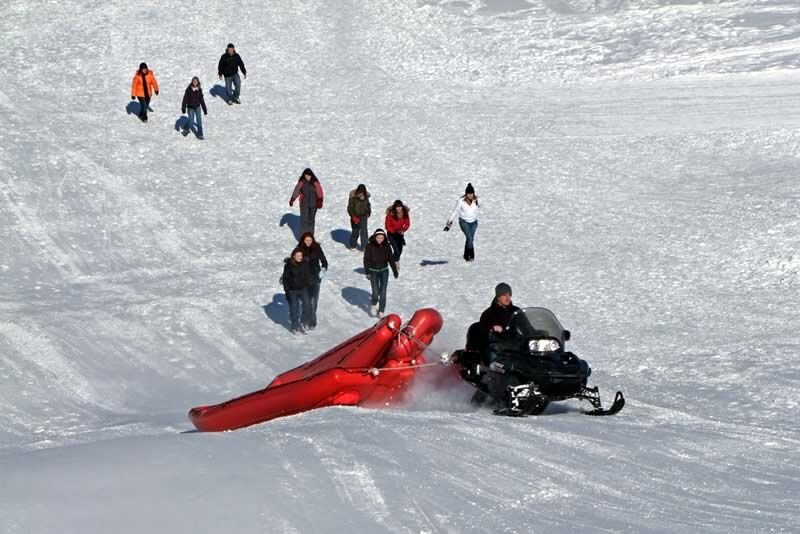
(543, 345)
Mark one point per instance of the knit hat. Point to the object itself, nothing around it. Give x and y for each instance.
(230, 45)
(142, 65)
(379, 231)
(469, 190)
(502, 289)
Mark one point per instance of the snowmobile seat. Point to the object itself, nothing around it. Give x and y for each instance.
(477, 341)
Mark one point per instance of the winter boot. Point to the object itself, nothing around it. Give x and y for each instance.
(466, 253)
(471, 253)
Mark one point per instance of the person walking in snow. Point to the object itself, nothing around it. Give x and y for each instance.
(309, 195)
(297, 279)
(228, 68)
(192, 102)
(143, 87)
(377, 261)
(359, 209)
(466, 210)
(397, 224)
(313, 254)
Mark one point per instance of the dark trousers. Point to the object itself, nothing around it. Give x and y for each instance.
(359, 230)
(144, 103)
(308, 214)
(313, 300)
(397, 241)
(298, 304)
(379, 281)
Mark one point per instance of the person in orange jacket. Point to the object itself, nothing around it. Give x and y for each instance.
(143, 86)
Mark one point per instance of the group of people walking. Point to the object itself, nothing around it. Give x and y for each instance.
(307, 265)
(145, 86)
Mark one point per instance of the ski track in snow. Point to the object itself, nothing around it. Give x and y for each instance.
(637, 165)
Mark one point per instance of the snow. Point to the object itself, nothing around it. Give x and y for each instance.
(637, 165)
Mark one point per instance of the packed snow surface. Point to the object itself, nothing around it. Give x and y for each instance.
(638, 165)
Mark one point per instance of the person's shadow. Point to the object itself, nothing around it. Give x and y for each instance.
(278, 310)
(133, 108)
(182, 125)
(357, 297)
(219, 91)
(293, 222)
(425, 263)
(342, 236)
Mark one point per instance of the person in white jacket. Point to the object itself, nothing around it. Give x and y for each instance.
(466, 210)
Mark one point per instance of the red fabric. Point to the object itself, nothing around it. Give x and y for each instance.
(338, 377)
(395, 226)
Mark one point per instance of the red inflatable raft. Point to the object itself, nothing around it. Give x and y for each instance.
(372, 368)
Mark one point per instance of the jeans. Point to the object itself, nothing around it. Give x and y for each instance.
(298, 303)
(233, 80)
(195, 118)
(379, 281)
(469, 229)
(144, 103)
(313, 299)
(397, 241)
(359, 229)
(308, 214)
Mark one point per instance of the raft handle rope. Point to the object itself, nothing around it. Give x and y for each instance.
(375, 371)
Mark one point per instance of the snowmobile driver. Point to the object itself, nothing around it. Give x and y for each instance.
(493, 323)
(498, 315)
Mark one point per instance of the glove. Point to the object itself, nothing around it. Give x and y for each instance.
(291, 203)
(133, 98)
(205, 113)
(355, 220)
(322, 273)
(156, 93)
(446, 228)
(319, 204)
(183, 110)
(396, 274)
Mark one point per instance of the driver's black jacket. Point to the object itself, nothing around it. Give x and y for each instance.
(496, 315)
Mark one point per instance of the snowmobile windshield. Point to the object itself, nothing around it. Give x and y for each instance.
(537, 322)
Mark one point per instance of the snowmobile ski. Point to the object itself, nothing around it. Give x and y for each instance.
(619, 402)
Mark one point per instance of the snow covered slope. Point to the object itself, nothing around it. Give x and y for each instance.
(638, 165)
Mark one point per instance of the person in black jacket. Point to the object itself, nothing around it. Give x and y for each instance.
(192, 102)
(378, 258)
(497, 316)
(229, 65)
(313, 254)
(296, 279)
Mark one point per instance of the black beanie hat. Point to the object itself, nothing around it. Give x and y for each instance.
(502, 289)
(469, 189)
(230, 45)
(142, 65)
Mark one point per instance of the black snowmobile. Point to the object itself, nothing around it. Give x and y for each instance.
(521, 370)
